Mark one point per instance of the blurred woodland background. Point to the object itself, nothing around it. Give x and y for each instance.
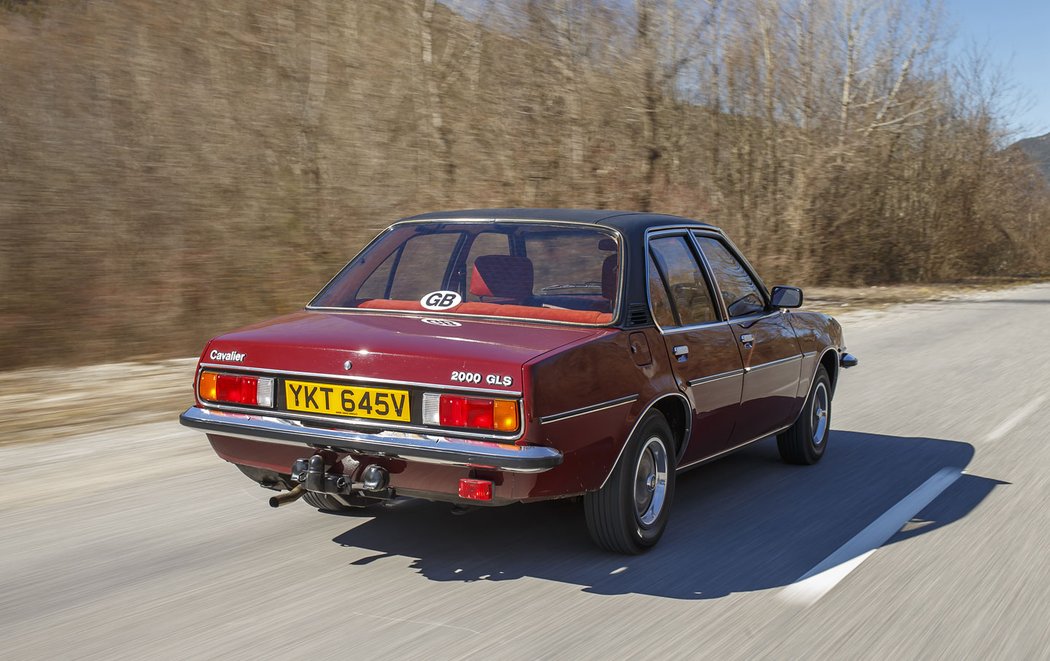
(171, 170)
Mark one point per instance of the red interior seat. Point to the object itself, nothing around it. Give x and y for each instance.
(502, 278)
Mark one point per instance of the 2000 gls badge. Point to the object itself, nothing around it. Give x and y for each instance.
(488, 357)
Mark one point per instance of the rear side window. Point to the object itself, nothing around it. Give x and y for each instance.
(685, 281)
(739, 290)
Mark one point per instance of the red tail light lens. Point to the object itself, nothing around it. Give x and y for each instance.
(459, 411)
(475, 489)
(471, 412)
(236, 389)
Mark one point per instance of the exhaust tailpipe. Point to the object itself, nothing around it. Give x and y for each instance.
(288, 496)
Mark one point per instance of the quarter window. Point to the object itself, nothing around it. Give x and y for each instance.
(685, 281)
(658, 297)
(739, 290)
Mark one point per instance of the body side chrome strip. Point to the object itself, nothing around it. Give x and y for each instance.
(773, 363)
(435, 449)
(593, 408)
(715, 377)
(727, 451)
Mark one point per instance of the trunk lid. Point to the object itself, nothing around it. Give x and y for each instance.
(387, 347)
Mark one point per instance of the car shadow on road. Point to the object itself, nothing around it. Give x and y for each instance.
(747, 522)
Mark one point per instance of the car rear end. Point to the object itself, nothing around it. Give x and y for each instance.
(370, 394)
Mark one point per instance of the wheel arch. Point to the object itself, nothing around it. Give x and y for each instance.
(830, 361)
(676, 410)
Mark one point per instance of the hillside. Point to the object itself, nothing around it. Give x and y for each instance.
(1037, 149)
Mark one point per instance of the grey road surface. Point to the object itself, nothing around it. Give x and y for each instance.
(139, 543)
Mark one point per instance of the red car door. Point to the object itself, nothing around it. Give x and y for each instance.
(769, 350)
(700, 345)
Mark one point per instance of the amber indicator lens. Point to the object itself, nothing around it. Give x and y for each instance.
(470, 412)
(504, 415)
(236, 389)
(208, 386)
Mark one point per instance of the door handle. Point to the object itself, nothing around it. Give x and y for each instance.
(681, 352)
(748, 339)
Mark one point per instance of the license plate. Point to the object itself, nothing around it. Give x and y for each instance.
(350, 401)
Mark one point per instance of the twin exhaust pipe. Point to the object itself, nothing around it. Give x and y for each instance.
(312, 475)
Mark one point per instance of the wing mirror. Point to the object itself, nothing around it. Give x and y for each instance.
(786, 297)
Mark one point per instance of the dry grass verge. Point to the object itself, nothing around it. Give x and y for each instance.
(42, 404)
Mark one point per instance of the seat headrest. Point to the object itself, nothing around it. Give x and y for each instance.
(609, 277)
(502, 276)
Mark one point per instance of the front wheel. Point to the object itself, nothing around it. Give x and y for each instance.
(629, 513)
(805, 441)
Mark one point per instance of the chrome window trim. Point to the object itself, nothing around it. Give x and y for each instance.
(641, 416)
(755, 317)
(340, 421)
(735, 252)
(716, 377)
(691, 327)
(685, 232)
(459, 316)
(584, 410)
(615, 233)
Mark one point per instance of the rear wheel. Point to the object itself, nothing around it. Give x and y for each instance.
(629, 513)
(805, 441)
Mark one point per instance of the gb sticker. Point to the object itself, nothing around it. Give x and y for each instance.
(441, 300)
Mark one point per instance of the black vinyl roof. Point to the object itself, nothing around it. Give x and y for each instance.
(630, 224)
(626, 221)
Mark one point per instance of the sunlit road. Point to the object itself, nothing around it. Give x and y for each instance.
(141, 544)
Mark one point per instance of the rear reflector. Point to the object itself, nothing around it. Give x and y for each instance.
(470, 412)
(475, 489)
(236, 389)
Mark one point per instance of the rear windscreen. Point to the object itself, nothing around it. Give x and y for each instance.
(502, 269)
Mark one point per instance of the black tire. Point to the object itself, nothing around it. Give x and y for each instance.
(642, 480)
(328, 503)
(806, 441)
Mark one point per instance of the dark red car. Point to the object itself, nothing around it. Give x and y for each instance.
(495, 356)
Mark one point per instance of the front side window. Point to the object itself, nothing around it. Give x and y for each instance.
(681, 273)
(739, 290)
(503, 269)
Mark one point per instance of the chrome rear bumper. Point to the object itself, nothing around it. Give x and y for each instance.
(453, 452)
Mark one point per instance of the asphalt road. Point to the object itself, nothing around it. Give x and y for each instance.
(931, 513)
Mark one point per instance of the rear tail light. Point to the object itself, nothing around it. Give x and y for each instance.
(470, 412)
(475, 489)
(236, 389)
